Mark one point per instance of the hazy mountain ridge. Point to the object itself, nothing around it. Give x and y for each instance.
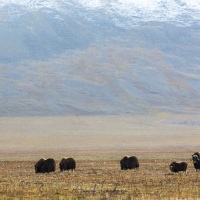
(90, 59)
(89, 85)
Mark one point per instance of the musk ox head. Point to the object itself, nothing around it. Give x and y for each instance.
(196, 154)
(123, 163)
(195, 158)
(38, 165)
(172, 166)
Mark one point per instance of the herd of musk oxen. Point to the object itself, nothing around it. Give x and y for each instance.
(127, 162)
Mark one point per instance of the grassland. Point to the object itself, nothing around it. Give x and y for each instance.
(98, 179)
(97, 144)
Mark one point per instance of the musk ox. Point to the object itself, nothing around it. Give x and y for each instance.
(196, 162)
(178, 167)
(67, 164)
(129, 163)
(45, 165)
(196, 154)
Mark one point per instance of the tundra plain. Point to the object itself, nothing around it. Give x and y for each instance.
(98, 143)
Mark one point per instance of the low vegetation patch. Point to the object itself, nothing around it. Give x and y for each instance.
(99, 179)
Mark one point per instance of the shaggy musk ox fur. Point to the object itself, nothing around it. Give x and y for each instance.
(178, 167)
(129, 163)
(45, 165)
(67, 164)
(196, 162)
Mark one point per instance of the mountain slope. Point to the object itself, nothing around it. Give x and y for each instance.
(99, 57)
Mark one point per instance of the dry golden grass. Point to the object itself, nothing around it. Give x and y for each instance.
(98, 179)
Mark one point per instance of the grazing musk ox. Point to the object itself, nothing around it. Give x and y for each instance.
(129, 163)
(67, 164)
(196, 162)
(178, 167)
(45, 165)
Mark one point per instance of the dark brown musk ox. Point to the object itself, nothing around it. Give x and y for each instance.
(129, 162)
(45, 165)
(196, 162)
(67, 164)
(177, 167)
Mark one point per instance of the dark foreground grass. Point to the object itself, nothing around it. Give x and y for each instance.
(98, 179)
